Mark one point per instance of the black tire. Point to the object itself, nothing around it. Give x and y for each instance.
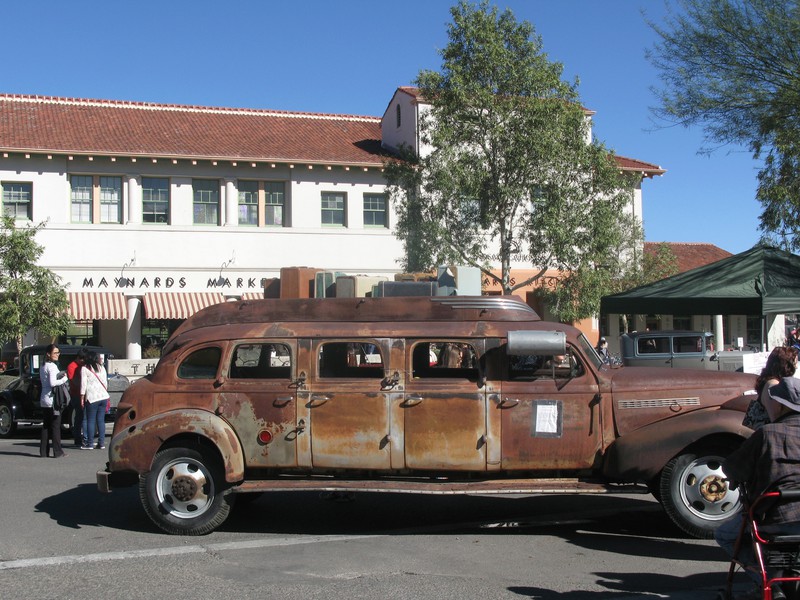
(694, 492)
(184, 492)
(7, 425)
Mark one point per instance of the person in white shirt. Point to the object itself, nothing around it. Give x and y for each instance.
(51, 377)
(94, 400)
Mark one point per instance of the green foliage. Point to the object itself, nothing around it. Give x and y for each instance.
(731, 66)
(30, 296)
(512, 175)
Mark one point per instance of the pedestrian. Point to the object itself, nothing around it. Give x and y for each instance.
(602, 350)
(94, 398)
(51, 377)
(74, 376)
(782, 362)
(768, 460)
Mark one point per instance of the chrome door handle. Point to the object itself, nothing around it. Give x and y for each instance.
(412, 401)
(507, 402)
(317, 400)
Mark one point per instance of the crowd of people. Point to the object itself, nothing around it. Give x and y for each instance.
(87, 383)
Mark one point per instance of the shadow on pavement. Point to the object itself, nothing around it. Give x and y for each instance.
(84, 506)
(637, 585)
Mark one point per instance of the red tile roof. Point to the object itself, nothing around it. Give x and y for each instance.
(81, 126)
(691, 255)
(632, 164)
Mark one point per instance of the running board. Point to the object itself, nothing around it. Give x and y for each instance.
(441, 486)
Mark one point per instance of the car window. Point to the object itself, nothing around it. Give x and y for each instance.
(687, 343)
(531, 367)
(261, 361)
(350, 360)
(201, 364)
(652, 345)
(448, 359)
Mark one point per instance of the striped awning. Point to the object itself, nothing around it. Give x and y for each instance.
(178, 305)
(253, 295)
(87, 306)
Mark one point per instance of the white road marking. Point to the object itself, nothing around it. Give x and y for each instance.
(174, 551)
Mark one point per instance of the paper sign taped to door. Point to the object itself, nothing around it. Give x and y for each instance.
(547, 418)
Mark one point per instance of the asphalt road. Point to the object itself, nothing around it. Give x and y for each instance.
(60, 538)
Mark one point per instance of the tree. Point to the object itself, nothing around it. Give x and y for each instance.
(31, 297)
(512, 175)
(731, 66)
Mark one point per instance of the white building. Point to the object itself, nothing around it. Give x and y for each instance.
(154, 211)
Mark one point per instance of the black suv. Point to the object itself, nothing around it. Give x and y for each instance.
(19, 401)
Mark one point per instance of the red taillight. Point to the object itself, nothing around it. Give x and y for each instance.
(265, 436)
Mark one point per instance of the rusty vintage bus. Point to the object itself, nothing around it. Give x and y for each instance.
(427, 395)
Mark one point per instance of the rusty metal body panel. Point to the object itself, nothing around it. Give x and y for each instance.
(133, 448)
(349, 414)
(550, 428)
(637, 456)
(644, 395)
(362, 389)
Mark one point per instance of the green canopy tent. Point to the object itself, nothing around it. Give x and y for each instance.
(763, 280)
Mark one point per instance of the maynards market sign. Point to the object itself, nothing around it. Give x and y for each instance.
(174, 283)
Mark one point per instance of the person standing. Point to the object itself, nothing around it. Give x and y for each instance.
(94, 399)
(782, 362)
(74, 376)
(51, 377)
(602, 350)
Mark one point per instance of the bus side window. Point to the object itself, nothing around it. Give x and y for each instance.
(350, 360)
(446, 359)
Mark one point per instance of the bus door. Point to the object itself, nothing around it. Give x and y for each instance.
(444, 406)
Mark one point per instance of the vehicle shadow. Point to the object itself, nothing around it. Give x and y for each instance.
(700, 585)
(83, 506)
(609, 524)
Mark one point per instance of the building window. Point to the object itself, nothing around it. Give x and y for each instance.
(17, 200)
(110, 199)
(79, 333)
(375, 210)
(333, 204)
(274, 199)
(155, 333)
(754, 331)
(206, 201)
(399, 120)
(81, 198)
(248, 203)
(155, 200)
(682, 322)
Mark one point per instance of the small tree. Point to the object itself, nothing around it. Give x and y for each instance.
(512, 175)
(31, 297)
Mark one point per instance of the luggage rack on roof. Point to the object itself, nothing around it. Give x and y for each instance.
(484, 302)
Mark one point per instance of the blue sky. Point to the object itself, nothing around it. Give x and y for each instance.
(348, 56)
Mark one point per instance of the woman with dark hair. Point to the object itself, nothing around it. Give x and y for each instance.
(51, 378)
(782, 362)
(94, 399)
